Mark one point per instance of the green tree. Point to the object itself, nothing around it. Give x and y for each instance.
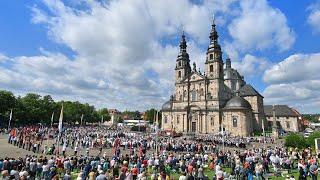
(7, 102)
(105, 114)
(136, 115)
(295, 140)
(312, 117)
(150, 115)
(33, 108)
(32, 104)
(312, 137)
(119, 119)
(130, 114)
(74, 110)
(160, 118)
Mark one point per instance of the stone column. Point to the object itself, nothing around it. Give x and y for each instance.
(183, 122)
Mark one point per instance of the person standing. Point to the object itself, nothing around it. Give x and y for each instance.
(67, 175)
(313, 171)
(183, 176)
(259, 171)
(64, 147)
(219, 173)
(75, 150)
(101, 176)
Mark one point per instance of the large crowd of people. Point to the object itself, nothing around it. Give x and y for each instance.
(97, 152)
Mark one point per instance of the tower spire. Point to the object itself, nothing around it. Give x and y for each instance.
(214, 49)
(183, 54)
(183, 43)
(183, 62)
(213, 34)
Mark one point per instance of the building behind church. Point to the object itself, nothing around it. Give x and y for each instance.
(212, 101)
(287, 119)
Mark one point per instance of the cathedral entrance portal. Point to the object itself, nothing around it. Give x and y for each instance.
(193, 119)
(193, 127)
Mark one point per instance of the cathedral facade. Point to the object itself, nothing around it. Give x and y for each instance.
(212, 101)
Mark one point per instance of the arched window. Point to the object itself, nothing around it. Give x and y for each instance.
(211, 56)
(234, 121)
(211, 68)
(179, 74)
(178, 119)
(165, 119)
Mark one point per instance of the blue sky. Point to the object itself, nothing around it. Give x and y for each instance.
(118, 54)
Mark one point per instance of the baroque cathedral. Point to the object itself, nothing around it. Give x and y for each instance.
(216, 100)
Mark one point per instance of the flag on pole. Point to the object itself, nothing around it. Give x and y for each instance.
(154, 118)
(10, 115)
(10, 118)
(263, 132)
(263, 128)
(60, 120)
(52, 118)
(81, 119)
(157, 118)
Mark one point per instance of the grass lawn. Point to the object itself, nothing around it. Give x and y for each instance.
(210, 173)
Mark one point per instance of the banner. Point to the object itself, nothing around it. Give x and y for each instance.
(60, 120)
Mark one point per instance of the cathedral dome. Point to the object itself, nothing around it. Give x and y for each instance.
(238, 102)
(167, 106)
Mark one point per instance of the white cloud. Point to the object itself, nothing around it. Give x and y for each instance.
(119, 59)
(251, 65)
(295, 68)
(259, 26)
(295, 81)
(314, 16)
(3, 58)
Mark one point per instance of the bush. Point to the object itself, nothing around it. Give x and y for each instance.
(296, 141)
(312, 137)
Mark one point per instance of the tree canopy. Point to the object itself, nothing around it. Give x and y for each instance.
(295, 140)
(312, 117)
(34, 108)
(298, 141)
(312, 137)
(151, 114)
